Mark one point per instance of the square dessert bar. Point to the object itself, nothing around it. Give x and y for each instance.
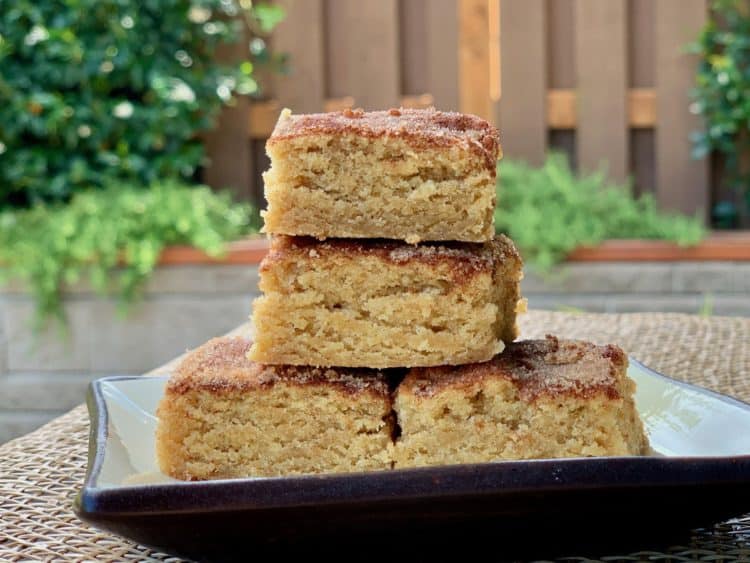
(224, 416)
(381, 304)
(405, 174)
(538, 399)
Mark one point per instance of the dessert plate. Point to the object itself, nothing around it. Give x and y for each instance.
(699, 473)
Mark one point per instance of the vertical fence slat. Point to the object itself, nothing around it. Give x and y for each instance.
(300, 35)
(523, 94)
(681, 182)
(227, 145)
(641, 70)
(561, 72)
(474, 58)
(560, 15)
(641, 63)
(363, 52)
(442, 52)
(413, 47)
(602, 135)
(229, 153)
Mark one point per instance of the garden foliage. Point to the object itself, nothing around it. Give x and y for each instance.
(93, 91)
(113, 237)
(549, 211)
(721, 97)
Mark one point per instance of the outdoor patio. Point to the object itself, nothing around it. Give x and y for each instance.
(470, 63)
(131, 165)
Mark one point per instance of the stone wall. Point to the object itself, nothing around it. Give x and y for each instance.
(43, 375)
(717, 288)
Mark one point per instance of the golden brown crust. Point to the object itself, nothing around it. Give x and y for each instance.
(221, 365)
(504, 250)
(464, 258)
(421, 128)
(549, 367)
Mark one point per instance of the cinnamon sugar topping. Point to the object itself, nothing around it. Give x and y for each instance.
(221, 364)
(464, 259)
(421, 128)
(357, 113)
(548, 367)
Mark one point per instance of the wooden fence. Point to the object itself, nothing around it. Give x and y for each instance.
(607, 81)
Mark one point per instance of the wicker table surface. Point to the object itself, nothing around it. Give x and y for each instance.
(41, 472)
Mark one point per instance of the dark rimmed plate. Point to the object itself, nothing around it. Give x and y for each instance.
(699, 474)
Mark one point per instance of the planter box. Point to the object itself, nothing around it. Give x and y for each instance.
(644, 275)
(193, 297)
(720, 246)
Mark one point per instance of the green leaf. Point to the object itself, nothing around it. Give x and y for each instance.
(720, 96)
(97, 91)
(549, 211)
(268, 16)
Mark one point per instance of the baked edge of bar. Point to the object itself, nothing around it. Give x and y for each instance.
(420, 128)
(465, 258)
(222, 366)
(429, 381)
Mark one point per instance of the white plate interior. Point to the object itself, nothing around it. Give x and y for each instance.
(680, 421)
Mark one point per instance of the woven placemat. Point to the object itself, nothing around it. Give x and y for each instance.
(41, 472)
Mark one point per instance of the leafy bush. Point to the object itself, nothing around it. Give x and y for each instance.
(114, 236)
(95, 90)
(549, 212)
(721, 97)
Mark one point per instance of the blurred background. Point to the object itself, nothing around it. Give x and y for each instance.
(132, 142)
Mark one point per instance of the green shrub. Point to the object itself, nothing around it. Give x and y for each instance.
(721, 97)
(113, 236)
(549, 212)
(95, 90)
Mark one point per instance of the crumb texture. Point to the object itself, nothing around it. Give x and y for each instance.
(221, 364)
(405, 174)
(223, 416)
(538, 399)
(422, 128)
(384, 304)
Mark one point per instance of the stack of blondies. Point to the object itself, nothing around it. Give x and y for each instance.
(385, 333)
